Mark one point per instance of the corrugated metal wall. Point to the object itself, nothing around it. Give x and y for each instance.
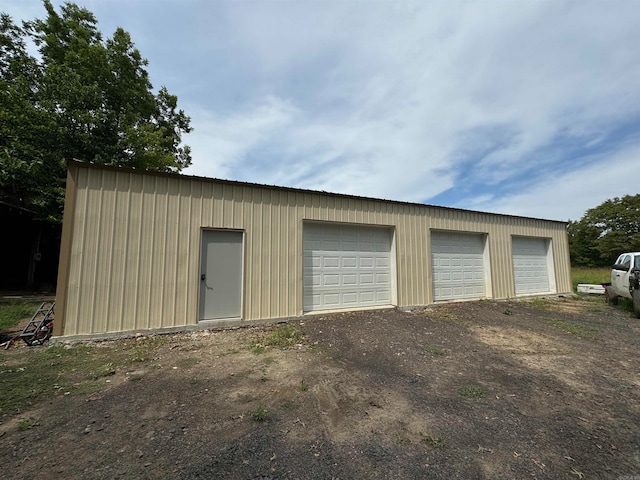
(131, 246)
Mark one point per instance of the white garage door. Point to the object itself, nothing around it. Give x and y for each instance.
(346, 266)
(458, 265)
(530, 265)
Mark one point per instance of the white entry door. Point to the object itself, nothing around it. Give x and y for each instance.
(221, 275)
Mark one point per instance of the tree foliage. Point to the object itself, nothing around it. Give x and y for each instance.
(81, 97)
(605, 231)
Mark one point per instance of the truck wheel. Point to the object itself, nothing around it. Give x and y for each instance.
(636, 302)
(610, 296)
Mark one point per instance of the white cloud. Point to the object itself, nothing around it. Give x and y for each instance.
(222, 143)
(568, 196)
(402, 100)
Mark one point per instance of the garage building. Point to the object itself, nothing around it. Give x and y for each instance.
(146, 250)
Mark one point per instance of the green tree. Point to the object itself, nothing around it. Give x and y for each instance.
(606, 231)
(82, 97)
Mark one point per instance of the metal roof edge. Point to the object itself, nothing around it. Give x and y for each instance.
(84, 164)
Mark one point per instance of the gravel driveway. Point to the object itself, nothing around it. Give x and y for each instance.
(495, 390)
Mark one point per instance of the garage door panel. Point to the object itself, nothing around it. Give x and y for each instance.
(310, 279)
(367, 297)
(530, 269)
(349, 262)
(458, 265)
(366, 279)
(381, 262)
(350, 279)
(383, 297)
(350, 299)
(354, 267)
(330, 262)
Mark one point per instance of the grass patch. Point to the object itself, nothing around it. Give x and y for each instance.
(11, 312)
(594, 276)
(43, 373)
(454, 317)
(472, 391)
(436, 442)
(142, 349)
(282, 336)
(105, 370)
(25, 424)
(246, 398)
(539, 302)
(626, 304)
(576, 329)
(434, 350)
(187, 363)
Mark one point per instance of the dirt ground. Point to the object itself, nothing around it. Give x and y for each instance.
(495, 390)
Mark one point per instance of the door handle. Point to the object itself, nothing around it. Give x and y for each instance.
(203, 277)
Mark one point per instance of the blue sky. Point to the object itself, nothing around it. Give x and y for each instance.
(515, 106)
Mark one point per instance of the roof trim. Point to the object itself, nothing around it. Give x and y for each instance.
(83, 164)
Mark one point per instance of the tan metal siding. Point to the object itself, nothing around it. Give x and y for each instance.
(134, 251)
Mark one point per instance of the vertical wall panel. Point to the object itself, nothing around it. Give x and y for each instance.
(135, 248)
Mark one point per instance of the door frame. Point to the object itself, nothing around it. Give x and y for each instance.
(242, 274)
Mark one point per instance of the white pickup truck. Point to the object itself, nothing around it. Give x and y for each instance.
(625, 278)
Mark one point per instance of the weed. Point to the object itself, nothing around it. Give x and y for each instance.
(140, 354)
(288, 406)
(143, 347)
(506, 311)
(434, 350)
(103, 371)
(595, 308)
(85, 388)
(24, 424)
(472, 391)
(458, 319)
(539, 302)
(187, 363)
(626, 304)
(245, 398)
(436, 442)
(284, 336)
(268, 360)
(581, 331)
(260, 415)
(304, 386)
